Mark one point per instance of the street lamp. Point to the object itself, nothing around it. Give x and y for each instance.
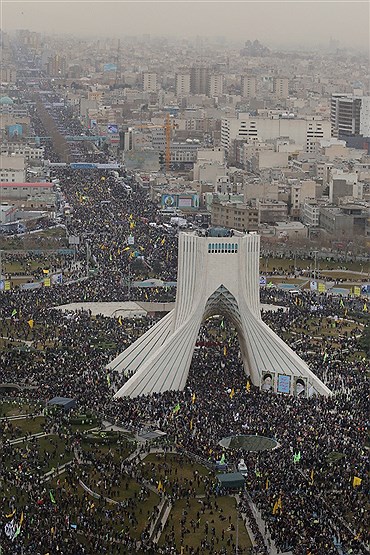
(315, 268)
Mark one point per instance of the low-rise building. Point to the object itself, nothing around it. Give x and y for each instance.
(347, 221)
(310, 213)
(240, 216)
(31, 195)
(271, 211)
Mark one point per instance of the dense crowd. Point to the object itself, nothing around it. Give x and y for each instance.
(320, 511)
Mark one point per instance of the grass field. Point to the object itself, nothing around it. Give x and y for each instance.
(174, 471)
(16, 409)
(223, 521)
(137, 500)
(14, 429)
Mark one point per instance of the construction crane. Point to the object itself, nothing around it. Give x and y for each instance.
(167, 126)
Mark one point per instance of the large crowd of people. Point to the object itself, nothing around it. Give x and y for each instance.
(315, 504)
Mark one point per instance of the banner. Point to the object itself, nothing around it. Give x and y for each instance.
(57, 278)
(313, 285)
(283, 384)
(10, 529)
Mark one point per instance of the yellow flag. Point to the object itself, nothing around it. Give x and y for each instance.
(357, 291)
(248, 386)
(322, 287)
(47, 282)
(365, 308)
(191, 424)
(30, 323)
(267, 483)
(160, 486)
(275, 508)
(21, 519)
(132, 225)
(163, 241)
(356, 481)
(120, 321)
(225, 351)
(11, 514)
(311, 476)
(45, 271)
(232, 393)
(193, 397)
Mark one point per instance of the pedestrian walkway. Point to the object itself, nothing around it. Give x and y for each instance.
(269, 542)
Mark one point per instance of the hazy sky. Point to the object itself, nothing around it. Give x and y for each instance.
(275, 22)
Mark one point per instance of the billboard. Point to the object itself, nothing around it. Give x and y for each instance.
(185, 202)
(112, 128)
(188, 201)
(110, 67)
(169, 201)
(15, 130)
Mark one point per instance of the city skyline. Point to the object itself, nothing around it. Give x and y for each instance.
(311, 24)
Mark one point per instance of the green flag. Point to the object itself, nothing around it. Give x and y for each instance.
(297, 457)
(14, 312)
(222, 460)
(17, 532)
(176, 408)
(52, 498)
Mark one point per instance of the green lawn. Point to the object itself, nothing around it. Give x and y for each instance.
(12, 429)
(222, 518)
(53, 451)
(134, 499)
(174, 471)
(116, 452)
(16, 409)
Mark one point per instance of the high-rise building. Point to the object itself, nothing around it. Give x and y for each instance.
(349, 115)
(249, 86)
(215, 85)
(199, 76)
(280, 87)
(56, 66)
(149, 82)
(182, 84)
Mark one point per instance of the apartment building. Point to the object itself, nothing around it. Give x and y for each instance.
(303, 131)
(232, 215)
(249, 86)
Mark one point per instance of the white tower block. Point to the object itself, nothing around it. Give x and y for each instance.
(216, 275)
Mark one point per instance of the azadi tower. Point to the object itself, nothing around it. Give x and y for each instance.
(216, 275)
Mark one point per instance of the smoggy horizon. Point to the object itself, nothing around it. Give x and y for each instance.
(277, 24)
